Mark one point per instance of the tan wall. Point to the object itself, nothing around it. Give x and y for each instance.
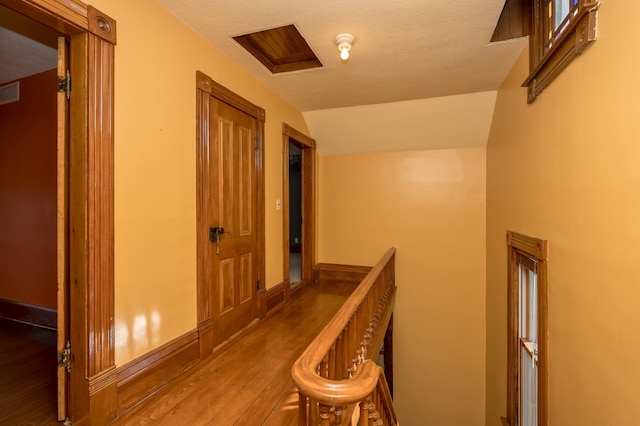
(155, 196)
(444, 122)
(566, 169)
(430, 205)
(28, 193)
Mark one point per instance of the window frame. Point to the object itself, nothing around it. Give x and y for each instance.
(519, 244)
(549, 56)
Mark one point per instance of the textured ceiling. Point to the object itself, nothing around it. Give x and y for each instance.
(26, 47)
(403, 49)
(40, 58)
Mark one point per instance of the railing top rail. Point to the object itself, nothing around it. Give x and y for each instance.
(365, 378)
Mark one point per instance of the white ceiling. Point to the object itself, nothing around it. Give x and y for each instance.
(22, 54)
(40, 57)
(403, 49)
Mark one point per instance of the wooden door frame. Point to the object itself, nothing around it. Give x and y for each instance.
(92, 36)
(206, 87)
(308, 146)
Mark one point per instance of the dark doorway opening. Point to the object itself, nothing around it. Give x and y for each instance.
(299, 152)
(295, 214)
(28, 221)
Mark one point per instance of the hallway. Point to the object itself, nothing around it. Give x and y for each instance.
(247, 381)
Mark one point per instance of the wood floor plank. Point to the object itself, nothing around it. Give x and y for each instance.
(27, 375)
(248, 381)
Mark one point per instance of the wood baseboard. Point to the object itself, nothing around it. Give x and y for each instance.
(103, 393)
(276, 296)
(30, 314)
(145, 375)
(337, 272)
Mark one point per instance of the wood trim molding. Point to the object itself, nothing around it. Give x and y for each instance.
(260, 216)
(92, 384)
(517, 243)
(277, 296)
(101, 25)
(92, 327)
(100, 207)
(67, 16)
(204, 320)
(205, 337)
(533, 246)
(289, 131)
(576, 38)
(206, 83)
(145, 375)
(38, 316)
(308, 146)
(308, 212)
(337, 272)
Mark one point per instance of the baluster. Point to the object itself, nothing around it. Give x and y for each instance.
(313, 412)
(302, 409)
(377, 400)
(338, 416)
(373, 415)
(374, 298)
(352, 340)
(364, 412)
(323, 367)
(340, 357)
(325, 415)
(332, 362)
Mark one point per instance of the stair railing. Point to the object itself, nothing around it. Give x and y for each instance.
(337, 380)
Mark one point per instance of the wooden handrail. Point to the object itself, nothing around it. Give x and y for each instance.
(336, 371)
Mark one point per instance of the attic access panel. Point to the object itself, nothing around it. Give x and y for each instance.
(281, 49)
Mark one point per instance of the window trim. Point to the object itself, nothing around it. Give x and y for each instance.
(538, 249)
(545, 64)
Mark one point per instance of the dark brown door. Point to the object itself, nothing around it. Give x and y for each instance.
(233, 212)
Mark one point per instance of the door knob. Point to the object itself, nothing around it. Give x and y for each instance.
(215, 232)
(214, 236)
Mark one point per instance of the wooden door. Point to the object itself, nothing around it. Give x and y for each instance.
(308, 152)
(233, 210)
(62, 227)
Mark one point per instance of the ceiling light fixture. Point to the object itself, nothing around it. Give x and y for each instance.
(344, 42)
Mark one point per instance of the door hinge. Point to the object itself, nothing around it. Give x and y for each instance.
(258, 285)
(64, 84)
(257, 143)
(64, 357)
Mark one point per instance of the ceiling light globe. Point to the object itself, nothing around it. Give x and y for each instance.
(344, 53)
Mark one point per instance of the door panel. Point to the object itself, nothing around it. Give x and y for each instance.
(226, 285)
(233, 206)
(246, 276)
(245, 181)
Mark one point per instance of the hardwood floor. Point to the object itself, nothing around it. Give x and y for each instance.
(27, 375)
(248, 380)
